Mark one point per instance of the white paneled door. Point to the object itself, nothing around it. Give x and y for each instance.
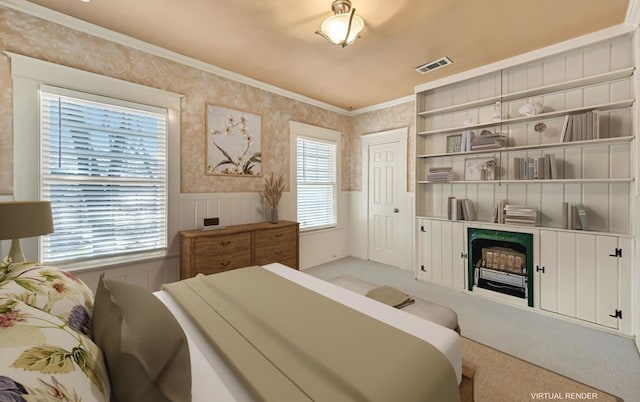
(385, 201)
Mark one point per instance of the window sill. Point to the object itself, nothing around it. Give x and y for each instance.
(111, 262)
(319, 230)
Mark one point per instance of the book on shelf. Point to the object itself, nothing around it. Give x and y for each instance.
(524, 215)
(468, 211)
(500, 211)
(440, 174)
(539, 168)
(460, 209)
(553, 166)
(581, 127)
(566, 129)
(581, 212)
(494, 214)
(574, 217)
(465, 145)
(488, 140)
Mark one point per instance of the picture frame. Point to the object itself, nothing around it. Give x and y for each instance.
(233, 142)
(476, 169)
(454, 143)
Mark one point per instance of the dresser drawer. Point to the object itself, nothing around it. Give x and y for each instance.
(223, 262)
(238, 246)
(211, 247)
(270, 237)
(277, 253)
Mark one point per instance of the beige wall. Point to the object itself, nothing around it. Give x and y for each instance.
(30, 36)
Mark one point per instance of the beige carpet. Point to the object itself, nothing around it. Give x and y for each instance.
(503, 378)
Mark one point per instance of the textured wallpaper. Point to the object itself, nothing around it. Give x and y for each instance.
(402, 115)
(30, 36)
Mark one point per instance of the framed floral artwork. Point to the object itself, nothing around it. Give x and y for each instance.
(233, 142)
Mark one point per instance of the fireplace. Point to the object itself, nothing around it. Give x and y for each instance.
(501, 261)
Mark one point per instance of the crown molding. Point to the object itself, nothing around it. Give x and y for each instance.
(383, 105)
(112, 36)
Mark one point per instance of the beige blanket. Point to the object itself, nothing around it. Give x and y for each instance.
(391, 296)
(287, 343)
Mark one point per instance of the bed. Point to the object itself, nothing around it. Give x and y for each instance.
(210, 373)
(137, 346)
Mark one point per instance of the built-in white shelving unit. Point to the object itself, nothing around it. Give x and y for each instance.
(598, 172)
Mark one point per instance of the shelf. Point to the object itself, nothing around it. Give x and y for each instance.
(542, 181)
(524, 119)
(599, 141)
(462, 106)
(563, 86)
(437, 218)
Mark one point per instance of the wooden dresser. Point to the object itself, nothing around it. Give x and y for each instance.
(238, 246)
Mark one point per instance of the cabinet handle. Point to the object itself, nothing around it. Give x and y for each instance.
(224, 264)
(539, 269)
(278, 252)
(225, 242)
(278, 234)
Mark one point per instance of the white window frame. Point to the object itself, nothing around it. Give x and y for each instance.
(28, 75)
(324, 134)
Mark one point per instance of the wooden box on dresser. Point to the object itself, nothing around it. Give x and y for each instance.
(212, 251)
(582, 275)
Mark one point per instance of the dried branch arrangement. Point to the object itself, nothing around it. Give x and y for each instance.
(273, 189)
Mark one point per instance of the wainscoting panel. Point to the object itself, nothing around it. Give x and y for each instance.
(231, 208)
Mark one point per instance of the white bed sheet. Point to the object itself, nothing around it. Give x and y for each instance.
(211, 376)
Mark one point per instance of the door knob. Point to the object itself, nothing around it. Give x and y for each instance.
(396, 210)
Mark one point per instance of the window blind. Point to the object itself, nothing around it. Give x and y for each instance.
(316, 182)
(104, 169)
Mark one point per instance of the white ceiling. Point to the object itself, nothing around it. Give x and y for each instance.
(273, 41)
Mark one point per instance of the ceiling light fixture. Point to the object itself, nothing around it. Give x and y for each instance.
(344, 27)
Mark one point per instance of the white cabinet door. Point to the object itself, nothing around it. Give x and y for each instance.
(549, 277)
(440, 249)
(579, 275)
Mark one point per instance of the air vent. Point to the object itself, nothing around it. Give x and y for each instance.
(433, 65)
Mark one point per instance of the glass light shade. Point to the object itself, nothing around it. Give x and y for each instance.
(335, 28)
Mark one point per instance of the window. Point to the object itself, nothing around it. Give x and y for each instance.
(316, 183)
(104, 169)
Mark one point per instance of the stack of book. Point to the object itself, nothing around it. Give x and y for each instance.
(542, 168)
(460, 209)
(581, 127)
(440, 174)
(522, 215)
(488, 140)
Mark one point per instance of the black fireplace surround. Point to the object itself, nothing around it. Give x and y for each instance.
(501, 261)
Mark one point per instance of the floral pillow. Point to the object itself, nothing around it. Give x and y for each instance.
(45, 360)
(51, 290)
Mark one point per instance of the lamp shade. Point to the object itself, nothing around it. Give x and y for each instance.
(335, 28)
(20, 219)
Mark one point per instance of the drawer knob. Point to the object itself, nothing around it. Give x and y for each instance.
(225, 242)
(278, 234)
(224, 264)
(278, 252)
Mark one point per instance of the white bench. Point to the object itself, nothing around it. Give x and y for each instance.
(429, 311)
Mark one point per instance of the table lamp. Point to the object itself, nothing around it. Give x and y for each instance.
(20, 219)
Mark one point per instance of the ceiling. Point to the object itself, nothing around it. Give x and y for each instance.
(273, 41)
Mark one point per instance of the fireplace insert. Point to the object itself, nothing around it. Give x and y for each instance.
(501, 261)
